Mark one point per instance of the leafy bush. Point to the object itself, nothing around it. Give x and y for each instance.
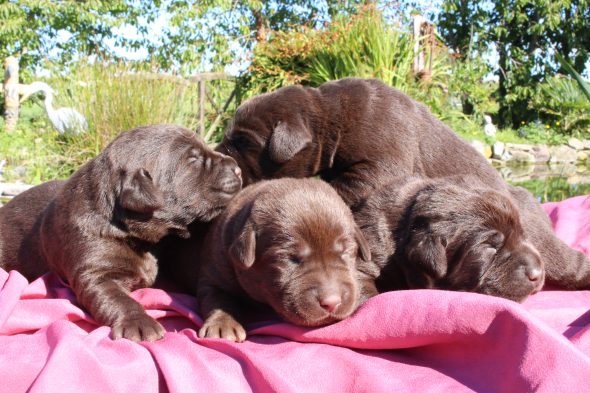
(365, 45)
(536, 132)
(561, 102)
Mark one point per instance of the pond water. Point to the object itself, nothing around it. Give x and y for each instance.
(549, 183)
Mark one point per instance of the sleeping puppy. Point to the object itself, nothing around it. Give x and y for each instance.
(449, 234)
(360, 134)
(96, 229)
(290, 244)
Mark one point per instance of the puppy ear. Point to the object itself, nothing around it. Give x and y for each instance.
(426, 261)
(243, 249)
(140, 194)
(364, 250)
(288, 139)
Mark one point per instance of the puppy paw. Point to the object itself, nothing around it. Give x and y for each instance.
(138, 328)
(223, 326)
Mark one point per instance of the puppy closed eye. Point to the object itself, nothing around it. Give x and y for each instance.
(243, 141)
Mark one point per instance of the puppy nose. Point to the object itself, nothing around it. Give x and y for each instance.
(534, 274)
(330, 302)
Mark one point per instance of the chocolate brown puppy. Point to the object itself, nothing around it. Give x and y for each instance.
(358, 135)
(448, 233)
(97, 229)
(291, 244)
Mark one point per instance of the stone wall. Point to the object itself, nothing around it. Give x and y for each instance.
(576, 151)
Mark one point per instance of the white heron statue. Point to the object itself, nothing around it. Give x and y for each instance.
(489, 129)
(67, 121)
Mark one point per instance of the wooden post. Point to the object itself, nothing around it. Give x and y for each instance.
(202, 107)
(424, 36)
(417, 22)
(11, 93)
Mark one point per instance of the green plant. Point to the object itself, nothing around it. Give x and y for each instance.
(363, 46)
(562, 103)
(113, 97)
(466, 82)
(584, 86)
(33, 152)
(536, 132)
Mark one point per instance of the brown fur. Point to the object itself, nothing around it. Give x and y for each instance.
(358, 135)
(97, 229)
(291, 244)
(450, 233)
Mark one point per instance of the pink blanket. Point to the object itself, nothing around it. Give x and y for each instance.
(419, 340)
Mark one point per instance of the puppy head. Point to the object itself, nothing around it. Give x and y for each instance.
(300, 259)
(167, 178)
(471, 241)
(270, 136)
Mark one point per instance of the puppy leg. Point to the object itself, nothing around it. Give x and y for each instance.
(564, 266)
(109, 302)
(219, 311)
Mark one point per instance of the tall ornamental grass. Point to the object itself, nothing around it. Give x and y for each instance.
(363, 46)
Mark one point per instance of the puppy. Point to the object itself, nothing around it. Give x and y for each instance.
(290, 244)
(97, 229)
(451, 234)
(358, 135)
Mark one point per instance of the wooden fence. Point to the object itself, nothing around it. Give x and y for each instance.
(13, 90)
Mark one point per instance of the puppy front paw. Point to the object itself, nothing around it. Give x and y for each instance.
(222, 325)
(138, 327)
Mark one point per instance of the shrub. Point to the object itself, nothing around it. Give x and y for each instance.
(365, 45)
(561, 102)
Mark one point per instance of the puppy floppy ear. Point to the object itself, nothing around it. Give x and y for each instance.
(243, 249)
(288, 139)
(140, 194)
(363, 245)
(425, 260)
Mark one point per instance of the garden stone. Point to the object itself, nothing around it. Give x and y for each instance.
(582, 155)
(498, 150)
(518, 146)
(521, 156)
(541, 153)
(575, 143)
(481, 148)
(563, 154)
(586, 143)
